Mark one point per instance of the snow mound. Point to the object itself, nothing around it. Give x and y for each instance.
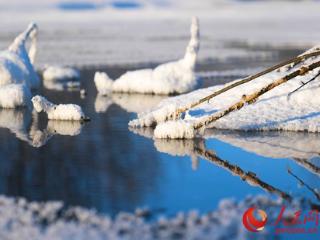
(71, 112)
(170, 78)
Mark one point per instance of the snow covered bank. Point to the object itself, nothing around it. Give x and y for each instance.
(21, 219)
(273, 111)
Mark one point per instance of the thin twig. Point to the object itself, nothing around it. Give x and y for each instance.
(303, 84)
(249, 177)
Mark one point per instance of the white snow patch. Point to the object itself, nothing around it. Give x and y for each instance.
(58, 112)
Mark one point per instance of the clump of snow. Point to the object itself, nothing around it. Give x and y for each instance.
(272, 111)
(175, 129)
(14, 95)
(70, 112)
(56, 73)
(169, 78)
(16, 66)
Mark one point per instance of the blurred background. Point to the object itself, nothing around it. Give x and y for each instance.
(98, 32)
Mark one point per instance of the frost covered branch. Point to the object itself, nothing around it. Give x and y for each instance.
(295, 61)
(249, 99)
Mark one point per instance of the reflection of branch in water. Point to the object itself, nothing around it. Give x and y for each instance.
(313, 190)
(308, 165)
(197, 148)
(249, 177)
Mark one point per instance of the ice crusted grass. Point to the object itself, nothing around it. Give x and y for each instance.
(21, 219)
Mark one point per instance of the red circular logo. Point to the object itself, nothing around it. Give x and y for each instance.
(251, 223)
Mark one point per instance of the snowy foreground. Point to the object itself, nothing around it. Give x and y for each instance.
(275, 110)
(21, 219)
